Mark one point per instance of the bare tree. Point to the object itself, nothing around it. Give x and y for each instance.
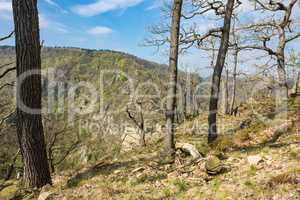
(215, 87)
(235, 53)
(29, 125)
(282, 26)
(189, 35)
(225, 89)
(295, 90)
(138, 121)
(171, 95)
(187, 106)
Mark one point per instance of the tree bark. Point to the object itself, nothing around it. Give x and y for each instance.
(215, 87)
(142, 138)
(235, 54)
(225, 93)
(295, 89)
(282, 82)
(296, 86)
(171, 98)
(140, 125)
(29, 124)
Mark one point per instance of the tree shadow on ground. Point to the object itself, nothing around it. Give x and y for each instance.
(272, 143)
(102, 168)
(5, 185)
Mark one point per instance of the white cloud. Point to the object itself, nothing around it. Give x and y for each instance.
(100, 30)
(44, 23)
(54, 4)
(102, 6)
(5, 6)
(157, 4)
(48, 24)
(6, 9)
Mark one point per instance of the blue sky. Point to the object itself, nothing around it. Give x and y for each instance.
(104, 24)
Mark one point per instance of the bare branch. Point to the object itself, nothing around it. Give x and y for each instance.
(132, 117)
(291, 38)
(288, 12)
(203, 7)
(8, 36)
(200, 38)
(71, 148)
(263, 48)
(258, 25)
(272, 6)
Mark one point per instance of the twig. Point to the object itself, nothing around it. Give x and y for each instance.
(9, 36)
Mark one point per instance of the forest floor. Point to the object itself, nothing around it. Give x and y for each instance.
(257, 161)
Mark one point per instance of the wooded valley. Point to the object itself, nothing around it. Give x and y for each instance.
(82, 123)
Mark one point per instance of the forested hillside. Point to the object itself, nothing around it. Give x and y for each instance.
(220, 120)
(64, 68)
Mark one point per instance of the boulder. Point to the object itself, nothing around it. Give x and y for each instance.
(8, 191)
(214, 166)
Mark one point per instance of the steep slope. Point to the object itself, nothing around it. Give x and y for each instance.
(257, 167)
(74, 79)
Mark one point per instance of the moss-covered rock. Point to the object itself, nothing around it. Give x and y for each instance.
(214, 165)
(9, 191)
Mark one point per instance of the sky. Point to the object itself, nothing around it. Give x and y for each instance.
(121, 25)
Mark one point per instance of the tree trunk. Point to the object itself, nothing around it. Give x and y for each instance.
(171, 99)
(185, 104)
(234, 76)
(295, 89)
(142, 138)
(142, 128)
(225, 93)
(188, 96)
(51, 160)
(282, 83)
(215, 87)
(29, 120)
(281, 71)
(140, 124)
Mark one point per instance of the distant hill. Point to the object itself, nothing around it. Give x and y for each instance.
(10, 51)
(74, 65)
